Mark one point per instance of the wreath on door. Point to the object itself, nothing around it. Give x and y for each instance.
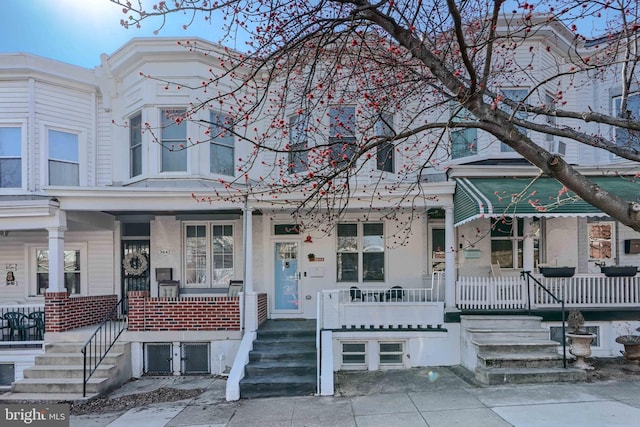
(135, 263)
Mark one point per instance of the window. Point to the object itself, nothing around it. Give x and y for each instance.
(195, 359)
(298, 143)
(286, 229)
(354, 353)
(10, 157)
(135, 145)
(360, 248)
(64, 164)
(222, 160)
(209, 254)
(391, 353)
(626, 137)
(555, 334)
(72, 270)
(342, 131)
(158, 359)
(464, 141)
(515, 95)
(384, 157)
(174, 141)
(507, 236)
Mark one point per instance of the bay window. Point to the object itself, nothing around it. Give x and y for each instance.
(135, 145)
(342, 135)
(625, 137)
(64, 158)
(515, 95)
(384, 157)
(174, 140)
(298, 143)
(222, 157)
(209, 258)
(360, 252)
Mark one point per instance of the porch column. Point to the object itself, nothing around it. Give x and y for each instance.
(527, 245)
(449, 259)
(247, 218)
(56, 259)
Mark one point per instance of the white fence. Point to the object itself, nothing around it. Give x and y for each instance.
(579, 291)
(380, 309)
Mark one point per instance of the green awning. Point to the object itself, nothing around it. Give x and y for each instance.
(529, 196)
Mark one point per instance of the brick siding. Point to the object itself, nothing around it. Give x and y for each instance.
(262, 308)
(64, 312)
(183, 314)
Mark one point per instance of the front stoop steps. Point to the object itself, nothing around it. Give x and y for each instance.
(283, 360)
(58, 374)
(513, 350)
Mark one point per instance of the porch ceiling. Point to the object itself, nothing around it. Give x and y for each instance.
(529, 196)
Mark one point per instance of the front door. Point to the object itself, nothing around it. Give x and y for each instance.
(286, 278)
(135, 267)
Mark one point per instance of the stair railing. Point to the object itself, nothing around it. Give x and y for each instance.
(100, 342)
(527, 275)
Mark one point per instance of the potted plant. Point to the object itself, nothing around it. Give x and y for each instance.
(631, 345)
(579, 339)
(311, 256)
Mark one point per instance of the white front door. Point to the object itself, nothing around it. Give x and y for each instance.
(286, 278)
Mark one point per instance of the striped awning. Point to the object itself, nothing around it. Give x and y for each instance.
(530, 196)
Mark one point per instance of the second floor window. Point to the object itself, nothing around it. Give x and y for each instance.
(64, 163)
(515, 95)
(464, 141)
(342, 134)
(384, 157)
(174, 141)
(625, 137)
(135, 145)
(10, 157)
(222, 155)
(298, 143)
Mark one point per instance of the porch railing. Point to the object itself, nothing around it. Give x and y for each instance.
(100, 342)
(30, 329)
(380, 309)
(579, 291)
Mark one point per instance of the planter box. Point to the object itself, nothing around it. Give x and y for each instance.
(619, 271)
(557, 271)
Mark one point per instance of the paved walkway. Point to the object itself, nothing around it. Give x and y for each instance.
(417, 397)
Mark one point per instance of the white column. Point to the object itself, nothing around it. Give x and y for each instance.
(449, 259)
(527, 245)
(56, 259)
(248, 246)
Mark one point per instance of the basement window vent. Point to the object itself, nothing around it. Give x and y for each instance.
(7, 374)
(354, 353)
(158, 359)
(391, 353)
(195, 359)
(555, 334)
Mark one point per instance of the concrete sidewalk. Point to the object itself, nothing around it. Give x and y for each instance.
(416, 397)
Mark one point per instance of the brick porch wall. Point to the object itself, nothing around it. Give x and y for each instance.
(262, 308)
(183, 314)
(64, 312)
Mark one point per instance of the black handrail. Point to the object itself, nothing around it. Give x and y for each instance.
(527, 275)
(100, 342)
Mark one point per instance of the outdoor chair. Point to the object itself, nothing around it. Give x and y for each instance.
(355, 294)
(18, 324)
(38, 319)
(396, 293)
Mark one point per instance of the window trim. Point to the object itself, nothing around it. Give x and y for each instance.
(341, 140)
(297, 154)
(23, 149)
(470, 134)
(82, 153)
(523, 114)
(401, 353)
(161, 113)
(209, 253)
(616, 113)
(32, 249)
(360, 252)
(355, 366)
(137, 146)
(214, 142)
(516, 239)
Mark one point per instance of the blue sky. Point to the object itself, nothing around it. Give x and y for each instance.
(78, 31)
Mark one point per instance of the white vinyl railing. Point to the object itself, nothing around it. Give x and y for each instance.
(579, 291)
(380, 309)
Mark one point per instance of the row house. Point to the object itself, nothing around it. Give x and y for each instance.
(117, 222)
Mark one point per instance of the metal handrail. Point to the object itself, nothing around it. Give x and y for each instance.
(527, 275)
(100, 342)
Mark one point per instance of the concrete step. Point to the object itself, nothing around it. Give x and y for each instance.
(252, 387)
(60, 385)
(520, 360)
(283, 346)
(271, 369)
(495, 376)
(293, 354)
(507, 322)
(518, 346)
(68, 371)
(72, 358)
(284, 334)
(509, 334)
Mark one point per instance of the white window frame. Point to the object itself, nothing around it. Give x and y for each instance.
(69, 246)
(401, 353)
(187, 169)
(297, 159)
(504, 148)
(384, 127)
(338, 138)
(207, 283)
(214, 142)
(615, 110)
(139, 146)
(354, 366)
(82, 153)
(23, 151)
(360, 252)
